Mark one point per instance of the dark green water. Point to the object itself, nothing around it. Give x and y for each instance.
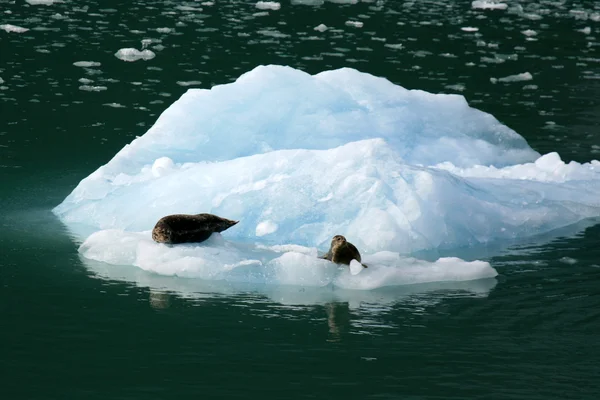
(71, 330)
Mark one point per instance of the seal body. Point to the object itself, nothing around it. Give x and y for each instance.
(342, 252)
(186, 228)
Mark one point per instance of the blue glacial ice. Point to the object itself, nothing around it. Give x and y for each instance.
(299, 158)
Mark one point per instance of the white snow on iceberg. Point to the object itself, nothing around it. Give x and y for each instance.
(299, 158)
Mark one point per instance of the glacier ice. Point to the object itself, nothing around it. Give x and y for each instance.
(299, 158)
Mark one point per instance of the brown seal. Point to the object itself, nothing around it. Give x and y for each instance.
(185, 228)
(342, 251)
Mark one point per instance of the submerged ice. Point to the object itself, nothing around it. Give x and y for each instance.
(299, 158)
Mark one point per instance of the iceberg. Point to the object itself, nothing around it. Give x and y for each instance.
(298, 158)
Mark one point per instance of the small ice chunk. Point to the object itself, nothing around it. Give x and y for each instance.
(308, 2)
(130, 54)
(529, 32)
(189, 83)
(355, 267)
(549, 162)
(162, 166)
(469, 29)
(488, 5)
(586, 31)
(13, 28)
(525, 76)
(88, 88)
(395, 46)
(321, 28)
(164, 30)
(356, 24)
(266, 227)
(568, 260)
(43, 2)
(86, 64)
(268, 5)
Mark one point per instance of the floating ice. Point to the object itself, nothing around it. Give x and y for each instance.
(488, 5)
(395, 46)
(525, 76)
(469, 29)
(529, 32)
(86, 64)
(268, 5)
(218, 259)
(43, 2)
(130, 54)
(356, 24)
(89, 88)
(299, 158)
(13, 28)
(321, 28)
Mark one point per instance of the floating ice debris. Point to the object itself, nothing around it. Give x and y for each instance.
(13, 28)
(43, 2)
(586, 31)
(469, 29)
(89, 88)
(114, 105)
(164, 30)
(321, 28)
(85, 81)
(488, 5)
(86, 64)
(395, 46)
(525, 76)
(268, 5)
(130, 54)
(308, 2)
(356, 24)
(189, 83)
(272, 33)
(529, 32)
(568, 260)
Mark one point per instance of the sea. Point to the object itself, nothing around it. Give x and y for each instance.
(68, 104)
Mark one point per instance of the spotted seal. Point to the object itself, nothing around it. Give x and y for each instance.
(342, 252)
(186, 228)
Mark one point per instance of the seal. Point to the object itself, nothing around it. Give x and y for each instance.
(342, 252)
(187, 228)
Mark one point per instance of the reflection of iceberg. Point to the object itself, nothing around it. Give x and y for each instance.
(298, 158)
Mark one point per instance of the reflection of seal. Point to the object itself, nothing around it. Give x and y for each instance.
(183, 228)
(342, 251)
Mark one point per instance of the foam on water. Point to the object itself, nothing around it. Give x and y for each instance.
(299, 158)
